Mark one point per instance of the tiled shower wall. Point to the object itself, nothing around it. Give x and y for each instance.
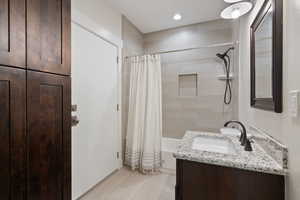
(205, 110)
(195, 103)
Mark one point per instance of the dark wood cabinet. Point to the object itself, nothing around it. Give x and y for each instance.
(12, 33)
(38, 31)
(12, 133)
(197, 181)
(35, 151)
(49, 136)
(49, 36)
(35, 99)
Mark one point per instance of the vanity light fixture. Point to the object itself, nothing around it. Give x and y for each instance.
(236, 10)
(177, 17)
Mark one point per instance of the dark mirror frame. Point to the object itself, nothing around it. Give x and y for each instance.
(275, 103)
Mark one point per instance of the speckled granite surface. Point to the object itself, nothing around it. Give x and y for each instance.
(274, 148)
(257, 160)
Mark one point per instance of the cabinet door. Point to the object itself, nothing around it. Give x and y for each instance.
(12, 133)
(49, 35)
(49, 136)
(12, 33)
(199, 181)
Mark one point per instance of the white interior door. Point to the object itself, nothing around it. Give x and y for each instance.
(95, 91)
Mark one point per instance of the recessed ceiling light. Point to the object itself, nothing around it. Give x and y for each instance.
(177, 17)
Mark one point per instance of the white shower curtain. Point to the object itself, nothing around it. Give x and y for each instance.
(144, 130)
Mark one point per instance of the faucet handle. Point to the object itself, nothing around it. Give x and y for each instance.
(248, 146)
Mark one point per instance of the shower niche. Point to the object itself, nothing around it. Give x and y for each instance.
(188, 85)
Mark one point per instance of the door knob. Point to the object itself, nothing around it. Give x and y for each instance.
(74, 108)
(75, 120)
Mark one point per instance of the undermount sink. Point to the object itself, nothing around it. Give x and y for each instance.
(212, 144)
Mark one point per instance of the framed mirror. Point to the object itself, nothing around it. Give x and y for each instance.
(266, 57)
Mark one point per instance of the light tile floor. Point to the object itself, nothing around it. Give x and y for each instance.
(128, 185)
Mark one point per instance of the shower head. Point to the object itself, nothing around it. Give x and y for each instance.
(226, 60)
(222, 56)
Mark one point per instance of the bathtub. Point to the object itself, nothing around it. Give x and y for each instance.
(169, 146)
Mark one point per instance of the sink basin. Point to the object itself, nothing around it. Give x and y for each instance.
(212, 144)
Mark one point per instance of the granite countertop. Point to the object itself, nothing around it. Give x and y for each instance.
(257, 160)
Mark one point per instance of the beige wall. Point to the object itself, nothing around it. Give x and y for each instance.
(132, 45)
(205, 111)
(106, 20)
(280, 126)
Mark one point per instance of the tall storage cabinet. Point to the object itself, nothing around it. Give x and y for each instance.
(12, 133)
(35, 100)
(12, 33)
(48, 136)
(48, 36)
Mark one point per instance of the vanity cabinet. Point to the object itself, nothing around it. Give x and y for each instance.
(197, 181)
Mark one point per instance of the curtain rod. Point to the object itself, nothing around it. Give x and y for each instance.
(188, 49)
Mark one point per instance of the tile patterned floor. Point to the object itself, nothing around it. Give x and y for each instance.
(128, 185)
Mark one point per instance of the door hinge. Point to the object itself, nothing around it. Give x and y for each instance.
(118, 155)
(117, 59)
(118, 107)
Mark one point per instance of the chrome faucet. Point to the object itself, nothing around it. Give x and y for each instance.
(243, 138)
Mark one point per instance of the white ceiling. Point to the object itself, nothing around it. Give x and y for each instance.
(154, 15)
